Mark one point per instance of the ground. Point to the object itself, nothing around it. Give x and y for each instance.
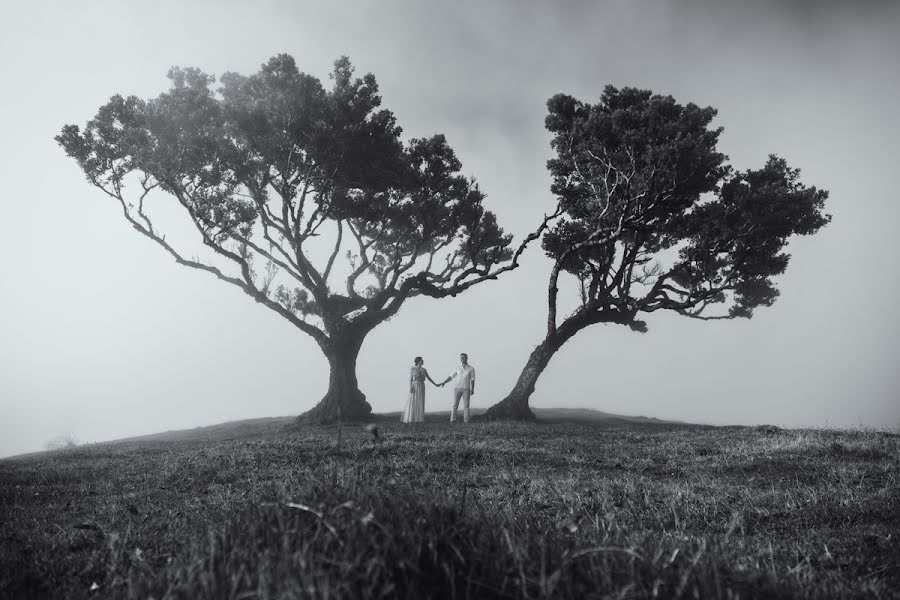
(573, 509)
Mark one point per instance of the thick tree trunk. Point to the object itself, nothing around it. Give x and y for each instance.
(343, 401)
(515, 405)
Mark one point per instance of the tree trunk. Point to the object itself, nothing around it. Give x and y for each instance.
(343, 401)
(515, 405)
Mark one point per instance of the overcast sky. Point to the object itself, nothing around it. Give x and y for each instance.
(103, 336)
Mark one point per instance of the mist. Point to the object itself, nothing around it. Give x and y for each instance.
(103, 336)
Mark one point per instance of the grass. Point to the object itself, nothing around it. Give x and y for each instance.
(487, 510)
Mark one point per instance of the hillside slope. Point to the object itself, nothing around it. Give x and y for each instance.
(261, 426)
(488, 510)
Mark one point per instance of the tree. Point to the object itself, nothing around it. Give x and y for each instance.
(655, 219)
(279, 177)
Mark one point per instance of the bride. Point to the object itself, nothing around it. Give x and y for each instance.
(415, 406)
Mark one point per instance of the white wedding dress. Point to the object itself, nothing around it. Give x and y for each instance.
(415, 405)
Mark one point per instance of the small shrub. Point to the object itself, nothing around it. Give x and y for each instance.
(62, 442)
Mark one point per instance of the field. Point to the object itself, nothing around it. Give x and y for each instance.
(602, 509)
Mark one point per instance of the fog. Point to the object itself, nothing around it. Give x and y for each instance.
(103, 336)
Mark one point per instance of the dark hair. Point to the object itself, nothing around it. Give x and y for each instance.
(417, 360)
(464, 354)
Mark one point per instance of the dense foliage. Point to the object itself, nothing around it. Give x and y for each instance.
(267, 166)
(638, 174)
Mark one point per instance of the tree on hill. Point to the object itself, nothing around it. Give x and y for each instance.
(655, 219)
(280, 176)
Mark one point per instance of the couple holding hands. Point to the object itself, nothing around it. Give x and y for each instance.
(462, 390)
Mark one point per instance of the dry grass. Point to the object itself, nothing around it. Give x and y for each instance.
(488, 510)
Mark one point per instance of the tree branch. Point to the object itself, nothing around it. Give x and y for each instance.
(590, 241)
(148, 231)
(337, 247)
(427, 288)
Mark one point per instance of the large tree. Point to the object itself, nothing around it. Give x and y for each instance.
(279, 177)
(655, 219)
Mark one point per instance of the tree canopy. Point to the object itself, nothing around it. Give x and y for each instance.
(654, 218)
(268, 165)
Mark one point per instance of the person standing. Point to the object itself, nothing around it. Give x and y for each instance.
(464, 387)
(415, 405)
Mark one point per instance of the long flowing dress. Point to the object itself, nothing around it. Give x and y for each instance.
(415, 406)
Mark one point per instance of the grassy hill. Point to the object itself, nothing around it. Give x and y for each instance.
(577, 506)
(267, 425)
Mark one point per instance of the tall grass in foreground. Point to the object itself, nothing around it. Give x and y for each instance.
(481, 511)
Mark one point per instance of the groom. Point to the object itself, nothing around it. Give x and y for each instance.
(464, 388)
